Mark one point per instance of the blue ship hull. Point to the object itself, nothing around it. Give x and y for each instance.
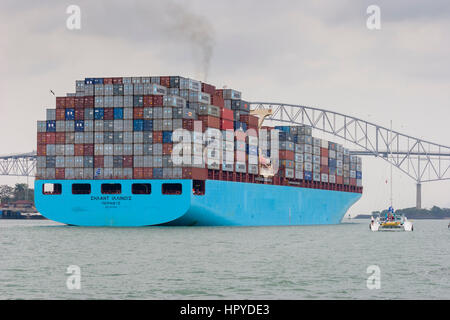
(224, 203)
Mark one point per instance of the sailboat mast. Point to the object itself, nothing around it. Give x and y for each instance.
(390, 149)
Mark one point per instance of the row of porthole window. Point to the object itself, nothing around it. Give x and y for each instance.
(112, 188)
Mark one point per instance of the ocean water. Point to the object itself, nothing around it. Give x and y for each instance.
(295, 262)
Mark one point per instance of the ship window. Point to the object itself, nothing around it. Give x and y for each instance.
(141, 188)
(111, 188)
(81, 188)
(171, 188)
(51, 188)
(198, 187)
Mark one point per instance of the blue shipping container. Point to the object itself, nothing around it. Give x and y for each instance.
(51, 126)
(240, 125)
(157, 173)
(88, 80)
(148, 125)
(98, 113)
(285, 136)
(167, 136)
(332, 163)
(358, 175)
(79, 125)
(98, 80)
(283, 128)
(138, 125)
(70, 114)
(118, 113)
(307, 175)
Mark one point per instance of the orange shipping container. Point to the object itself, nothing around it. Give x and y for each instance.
(138, 113)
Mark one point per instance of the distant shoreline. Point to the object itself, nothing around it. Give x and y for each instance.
(435, 213)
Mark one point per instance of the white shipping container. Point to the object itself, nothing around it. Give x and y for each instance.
(332, 178)
(332, 154)
(60, 126)
(324, 177)
(108, 149)
(308, 166)
(51, 114)
(99, 125)
(59, 149)
(51, 150)
(231, 94)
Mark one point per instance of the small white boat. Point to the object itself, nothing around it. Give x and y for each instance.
(391, 223)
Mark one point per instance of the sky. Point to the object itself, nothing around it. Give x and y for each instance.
(315, 53)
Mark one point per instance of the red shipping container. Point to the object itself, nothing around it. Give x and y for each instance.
(50, 137)
(88, 149)
(107, 80)
(61, 114)
(195, 173)
(89, 102)
(148, 101)
(79, 102)
(339, 180)
(138, 113)
(167, 149)
(286, 155)
(219, 93)
(60, 137)
(217, 101)
(226, 125)
(324, 152)
(79, 114)
(208, 88)
(324, 161)
(127, 161)
(165, 81)
(227, 114)
(60, 102)
(148, 173)
(209, 122)
(42, 138)
(138, 173)
(70, 102)
(352, 181)
(157, 137)
(99, 161)
(157, 101)
(188, 124)
(117, 80)
(251, 121)
(79, 149)
(41, 150)
(60, 173)
(108, 114)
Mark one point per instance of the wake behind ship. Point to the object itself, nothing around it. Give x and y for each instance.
(105, 158)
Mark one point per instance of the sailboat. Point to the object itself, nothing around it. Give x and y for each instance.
(390, 221)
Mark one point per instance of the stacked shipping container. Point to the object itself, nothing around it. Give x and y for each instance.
(122, 128)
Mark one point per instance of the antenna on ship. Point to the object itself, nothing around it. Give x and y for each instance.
(51, 91)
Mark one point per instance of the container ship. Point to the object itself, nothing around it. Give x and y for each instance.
(109, 155)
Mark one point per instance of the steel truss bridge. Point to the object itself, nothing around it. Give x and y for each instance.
(421, 160)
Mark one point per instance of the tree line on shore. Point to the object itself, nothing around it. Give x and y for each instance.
(20, 191)
(414, 213)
